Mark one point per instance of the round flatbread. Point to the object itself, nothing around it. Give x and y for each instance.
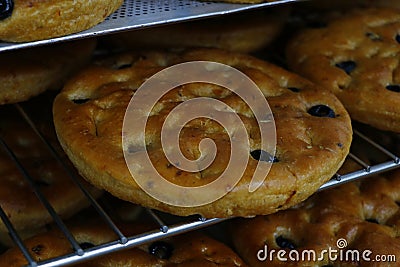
(17, 197)
(243, 32)
(29, 72)
(193, 249)
(355, 56)
(313, 132)
(327, 221)
(27, 20)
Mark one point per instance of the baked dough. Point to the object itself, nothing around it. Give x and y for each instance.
(243, 32)
(31, 20)
(29, 72)
(356, 56)
(193, 249)
(366, 214)
(17, 198)
(89, 112)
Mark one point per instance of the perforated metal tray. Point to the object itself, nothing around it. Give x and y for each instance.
(136, 14)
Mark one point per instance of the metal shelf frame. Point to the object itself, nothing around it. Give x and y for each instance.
(164, 230)
(135, 15)
(138, 14)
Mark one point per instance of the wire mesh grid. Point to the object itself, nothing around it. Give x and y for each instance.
(146, 13)
(146, 7)
(383, 160)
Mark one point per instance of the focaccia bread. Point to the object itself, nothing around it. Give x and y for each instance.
(355, 56)
(193, 249)
(29, 72)
(27, 20)
(243, 32)
(313, 132)
(351, 218)
(17, 197)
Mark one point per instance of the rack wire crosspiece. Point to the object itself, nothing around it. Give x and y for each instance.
(390, 161)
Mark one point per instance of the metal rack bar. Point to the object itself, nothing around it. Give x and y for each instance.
(72, 175)
(180, 10)
(345, 178)
(379, 147)
(165, 230)
(366, 166)
(43, 200)
(367, 169)
(163, 227)
(132, 242)
(16, 238)
(140, 14)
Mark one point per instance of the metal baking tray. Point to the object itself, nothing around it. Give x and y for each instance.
(363, 144)
(137, 14)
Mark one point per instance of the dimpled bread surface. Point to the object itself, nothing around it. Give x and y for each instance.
(44, 19)
(364, 213)
(356, 56)
(89, 112)
(193, 249)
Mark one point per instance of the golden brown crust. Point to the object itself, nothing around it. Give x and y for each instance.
(29, 72)
(366, 214)
(368, 40)
(45, 19)
(243, 32)
(193, 249)
(309, 149)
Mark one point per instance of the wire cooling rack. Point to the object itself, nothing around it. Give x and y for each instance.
(137, 14)
(382, 160)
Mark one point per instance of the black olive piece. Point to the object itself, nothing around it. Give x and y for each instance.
(397, 38)
(347, 66)
(37, 249)
(86, 245)
(124, 66)
(6, 8)
(285, 243)
(321, 111)
(372, 220)
(161, 250)
(327, 265)
(393, 87)
(262, 155)
(398, 203)
(294, 89)
(373, 36)
(80, 101)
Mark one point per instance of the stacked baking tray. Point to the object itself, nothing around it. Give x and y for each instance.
(383, 159)
(134, 15)
(137, 14)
